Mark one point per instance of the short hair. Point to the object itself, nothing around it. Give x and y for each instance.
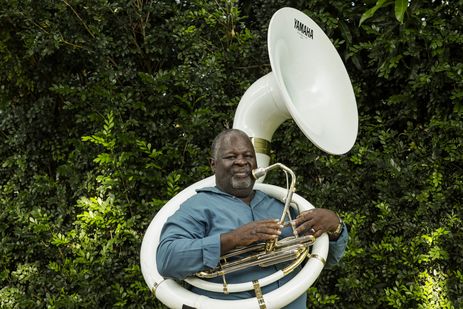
(218, 140)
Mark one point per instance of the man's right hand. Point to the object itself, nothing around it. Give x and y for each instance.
(256, 231)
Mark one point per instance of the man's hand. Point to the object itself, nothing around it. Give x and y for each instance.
(316, 222)
(256, 231)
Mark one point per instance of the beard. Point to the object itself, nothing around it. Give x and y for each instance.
(241, 183)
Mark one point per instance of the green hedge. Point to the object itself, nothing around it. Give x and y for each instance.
(108, 108)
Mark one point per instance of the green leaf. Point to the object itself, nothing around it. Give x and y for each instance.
(103, 158)
(371, 12)
(399, 9)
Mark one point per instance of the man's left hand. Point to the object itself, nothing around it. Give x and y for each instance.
(316, 222)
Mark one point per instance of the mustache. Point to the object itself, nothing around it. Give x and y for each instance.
(245, 171)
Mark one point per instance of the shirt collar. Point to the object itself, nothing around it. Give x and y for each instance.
(258, 196)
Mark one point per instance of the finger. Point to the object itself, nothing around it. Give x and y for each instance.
(267, 221)
(270, 230)
(306, 214)
(306, 217)
(272, 224)
(303, 228)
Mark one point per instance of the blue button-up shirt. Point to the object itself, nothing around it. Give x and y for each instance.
(190, 239)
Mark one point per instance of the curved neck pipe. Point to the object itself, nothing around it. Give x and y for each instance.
(260, 112)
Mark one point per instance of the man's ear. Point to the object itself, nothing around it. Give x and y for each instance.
(212, 164)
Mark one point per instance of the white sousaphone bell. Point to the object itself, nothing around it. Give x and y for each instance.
(309, 84)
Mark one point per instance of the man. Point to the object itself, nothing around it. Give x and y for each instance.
(232, 214)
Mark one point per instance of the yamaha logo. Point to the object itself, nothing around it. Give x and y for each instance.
(303, 29)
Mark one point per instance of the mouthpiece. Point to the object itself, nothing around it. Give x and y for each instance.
(259, 172)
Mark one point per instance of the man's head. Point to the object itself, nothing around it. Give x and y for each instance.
(233, 159)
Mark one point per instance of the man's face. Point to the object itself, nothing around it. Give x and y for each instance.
(234, 164)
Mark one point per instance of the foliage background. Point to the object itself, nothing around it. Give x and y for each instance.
(107, 110)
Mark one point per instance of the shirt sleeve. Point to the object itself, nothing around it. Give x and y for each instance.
(184, 248)
(337, 248)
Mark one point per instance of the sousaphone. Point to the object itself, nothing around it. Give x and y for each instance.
(308, 84)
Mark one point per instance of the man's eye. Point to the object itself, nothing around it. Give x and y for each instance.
(230, 158)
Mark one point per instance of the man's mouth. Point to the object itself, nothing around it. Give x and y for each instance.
(241, 174)
(242, 180)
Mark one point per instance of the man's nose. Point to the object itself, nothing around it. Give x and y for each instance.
(241, 160)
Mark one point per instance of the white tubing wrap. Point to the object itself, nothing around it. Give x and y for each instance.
(173, 295)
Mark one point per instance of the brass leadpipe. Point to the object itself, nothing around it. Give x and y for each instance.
(260, 172)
